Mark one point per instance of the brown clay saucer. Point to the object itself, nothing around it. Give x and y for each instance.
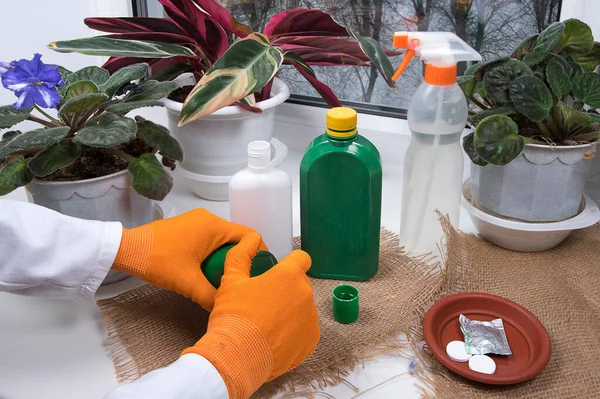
(528, 339)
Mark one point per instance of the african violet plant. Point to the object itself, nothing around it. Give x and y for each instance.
(195, 37)
(91, 136)
(538, 95)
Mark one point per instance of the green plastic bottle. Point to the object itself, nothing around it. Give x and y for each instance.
(340, 201)
(213, 267)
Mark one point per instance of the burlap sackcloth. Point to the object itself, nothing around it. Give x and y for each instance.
(561, 287)
(149, 327)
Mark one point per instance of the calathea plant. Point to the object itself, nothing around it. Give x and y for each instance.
(195, 37)
(546, 93)
(90, 136)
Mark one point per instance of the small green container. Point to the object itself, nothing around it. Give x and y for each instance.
(340, 201)
(213, 267)
(345, 303)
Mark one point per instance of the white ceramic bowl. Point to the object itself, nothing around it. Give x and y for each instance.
(216, 188)
(525, 236)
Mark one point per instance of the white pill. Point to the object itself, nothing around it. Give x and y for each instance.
(482, 364)
(456, 351)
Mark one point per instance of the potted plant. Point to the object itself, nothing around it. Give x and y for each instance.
(536, 124)
(236, 90)
(91, 160)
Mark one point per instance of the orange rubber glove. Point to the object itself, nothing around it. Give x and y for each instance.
(168, 253)
(260, 327)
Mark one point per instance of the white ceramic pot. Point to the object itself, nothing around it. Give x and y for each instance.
(216, 145)
(106, 198)
(543, 184)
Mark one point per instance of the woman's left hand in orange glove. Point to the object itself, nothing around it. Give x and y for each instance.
(168, 253)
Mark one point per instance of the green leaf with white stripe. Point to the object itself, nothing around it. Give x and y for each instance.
(38, 138)
(374, 51)
(109, 131)
(106, 46)
(14, 175)
(123, 76)
(245, 68)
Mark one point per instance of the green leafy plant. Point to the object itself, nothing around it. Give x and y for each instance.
(546, 93)
(91, 135)
(195, 36)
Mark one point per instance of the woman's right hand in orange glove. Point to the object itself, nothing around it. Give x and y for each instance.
(260, 327)
(168, 253)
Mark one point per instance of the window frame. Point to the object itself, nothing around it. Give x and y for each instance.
(567, 9)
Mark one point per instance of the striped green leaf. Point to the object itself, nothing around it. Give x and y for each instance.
(245, 68)
(106, 46)
(14, 175)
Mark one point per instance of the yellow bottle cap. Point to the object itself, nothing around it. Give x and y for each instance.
(341, 122)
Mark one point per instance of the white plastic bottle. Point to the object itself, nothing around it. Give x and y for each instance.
(434, 162)
(260, 197)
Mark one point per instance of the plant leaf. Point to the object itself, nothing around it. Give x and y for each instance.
(10, 116)
(498, 78)
(305, 70)
(576, 38)
(503, 110)
(123, 76)
(544, 43)
(590, 60)
(377, 56)
(561, 61)
(305, 22)
(109, 131)
(94, 74)
(245, 68)
(497, 140)
(151, 90)
(123, 108)
(224, 18)
(573, 117)
(158, 137)
(467, 83)
(576, 69)
(170, 72)
(482, 67)
(150, 179)
(586, 88)
(133, 24)
(14, 175)
(54, 158)
(469, 148)
(82, 103)
(525, 47)
(81, 88)
(531, 97)
(105, 46)
(557, 78)
(6, 138)
(39, 138)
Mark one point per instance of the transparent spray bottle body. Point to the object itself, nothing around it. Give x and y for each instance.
(433, 166)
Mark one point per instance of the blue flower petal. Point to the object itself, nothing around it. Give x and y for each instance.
(45, 97)
(13, 80)
(4, 67)
(50, 75)
(29, 68)
(26, 98)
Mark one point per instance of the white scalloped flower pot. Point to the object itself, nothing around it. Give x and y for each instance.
(544, 184)
(106, 198)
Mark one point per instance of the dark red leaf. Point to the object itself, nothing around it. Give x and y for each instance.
(115, 63)
(303, 22)
(224, 17)
(249, 107)
(133, 24)
(324, 90)
(317, 56)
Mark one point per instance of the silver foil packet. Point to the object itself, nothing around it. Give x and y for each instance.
(483, 337)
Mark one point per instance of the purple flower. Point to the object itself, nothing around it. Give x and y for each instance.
(33, 82)
(4, 67)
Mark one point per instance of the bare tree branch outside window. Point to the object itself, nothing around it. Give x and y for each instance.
(492, 27)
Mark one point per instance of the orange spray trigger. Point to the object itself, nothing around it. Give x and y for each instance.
(405, 61)
(401, 41)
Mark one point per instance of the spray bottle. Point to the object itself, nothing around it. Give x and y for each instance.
(437, 115)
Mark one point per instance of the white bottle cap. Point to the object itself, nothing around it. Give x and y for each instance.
(259, 154)
(482, 364)
(456, 351)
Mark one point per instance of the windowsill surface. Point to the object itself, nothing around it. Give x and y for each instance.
(76, 362)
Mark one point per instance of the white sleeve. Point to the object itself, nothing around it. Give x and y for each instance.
(45, 253)
(190, 377)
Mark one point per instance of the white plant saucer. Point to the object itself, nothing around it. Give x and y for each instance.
(526, 236)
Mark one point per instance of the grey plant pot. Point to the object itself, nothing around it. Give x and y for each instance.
(544, 184)
(106, 198)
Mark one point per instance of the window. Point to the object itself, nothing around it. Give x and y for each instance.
(493, 27)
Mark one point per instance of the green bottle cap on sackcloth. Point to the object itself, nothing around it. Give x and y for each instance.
(213, 267)
(345, 303)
